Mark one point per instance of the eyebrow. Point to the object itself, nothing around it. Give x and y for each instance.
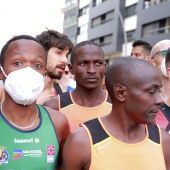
(156, 86)
(17, 54)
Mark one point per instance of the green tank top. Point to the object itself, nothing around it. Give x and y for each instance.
(29, 150)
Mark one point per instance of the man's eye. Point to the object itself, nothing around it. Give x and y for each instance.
(37, 65)
(82, 64)
(99, 63)
(58, 52)
(17, 63)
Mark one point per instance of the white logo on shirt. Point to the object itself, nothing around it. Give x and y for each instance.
(101, 147)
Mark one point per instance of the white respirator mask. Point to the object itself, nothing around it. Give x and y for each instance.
(24, 85)
(163, 68)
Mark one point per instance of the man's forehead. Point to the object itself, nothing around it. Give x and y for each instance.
(149, 80)
(137, 48)
(24, 43)
(89, 47)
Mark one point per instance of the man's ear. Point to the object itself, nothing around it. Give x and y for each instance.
(168, 72)
(1, 74)
(105, 68)
(70, 66)
(120, 92)
(149, 59)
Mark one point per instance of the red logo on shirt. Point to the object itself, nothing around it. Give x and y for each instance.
(50, 150)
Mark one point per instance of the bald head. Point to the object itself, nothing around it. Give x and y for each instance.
(129, 72)
(158, 54)
(161, 45)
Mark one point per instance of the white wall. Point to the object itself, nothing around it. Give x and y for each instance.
(83, 20)
(130, 23)
(83, 3)
(82, 37)
(128, 50)
(130, 2)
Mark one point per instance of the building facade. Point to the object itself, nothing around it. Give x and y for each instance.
(115, 24)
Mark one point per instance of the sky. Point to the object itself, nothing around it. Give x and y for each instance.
(29, 17)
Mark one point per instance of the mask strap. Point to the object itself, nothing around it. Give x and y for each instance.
(3, 71)
(159, 66)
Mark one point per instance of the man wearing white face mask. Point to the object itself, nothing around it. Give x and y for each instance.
(157, 58)
(32, 136)
(24, 85)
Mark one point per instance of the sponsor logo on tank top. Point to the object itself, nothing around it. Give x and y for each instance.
(19, 153)
(31, 140)
(103, 146)
(4, 156)
(50, 153)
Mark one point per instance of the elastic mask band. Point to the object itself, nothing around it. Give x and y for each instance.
(3, 72)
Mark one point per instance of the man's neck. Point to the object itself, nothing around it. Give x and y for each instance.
(89, 99)
(48, 83)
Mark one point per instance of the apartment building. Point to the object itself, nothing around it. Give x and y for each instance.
(70, 26)
(115, 24)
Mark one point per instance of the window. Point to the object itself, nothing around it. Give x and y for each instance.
(78, 31)
(97, 2)
(70, 3)
(107, 17)
(130, 35)
(96, 22)
(157, 27)
(73, 38)
(104, 40)
(156, 2)
(84, 11)
(131, 10)
(82, 29)
(70, 20)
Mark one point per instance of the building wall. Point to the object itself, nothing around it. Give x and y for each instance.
(70, 19)
(114, 27)
(119, 46)
(154, 13)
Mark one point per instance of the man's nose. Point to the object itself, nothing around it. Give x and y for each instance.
(159, 100)
(91, 69)
(64, 59)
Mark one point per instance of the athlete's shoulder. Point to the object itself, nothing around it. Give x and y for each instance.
(60, 122)
(52, 103)
(65, 99)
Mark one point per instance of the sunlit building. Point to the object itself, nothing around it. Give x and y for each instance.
(115, 24)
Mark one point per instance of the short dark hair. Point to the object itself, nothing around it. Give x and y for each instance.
(167, 58)
(146, 46)
(52, 38)
(83, 43)
(5, 47)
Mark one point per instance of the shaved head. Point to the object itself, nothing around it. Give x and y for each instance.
(161, 45)
(127, 71)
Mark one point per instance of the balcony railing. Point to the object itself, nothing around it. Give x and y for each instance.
(156, 31)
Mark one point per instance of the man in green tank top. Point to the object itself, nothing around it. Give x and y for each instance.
(32, 136)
